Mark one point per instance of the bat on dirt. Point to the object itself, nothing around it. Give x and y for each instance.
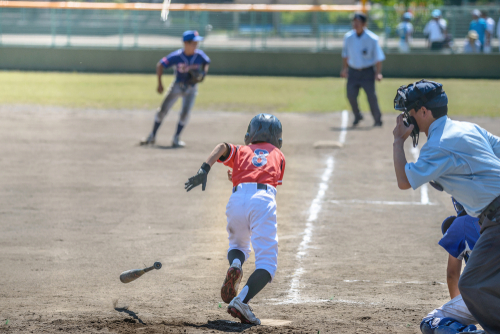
(131, 275)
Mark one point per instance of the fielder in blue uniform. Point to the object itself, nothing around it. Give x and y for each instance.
(460, 234)
(190, 67)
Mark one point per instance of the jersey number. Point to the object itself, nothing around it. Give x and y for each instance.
(260, 158)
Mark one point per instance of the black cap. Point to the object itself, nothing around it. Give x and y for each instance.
(360, 16)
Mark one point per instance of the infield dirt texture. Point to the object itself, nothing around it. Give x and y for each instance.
(81, 203)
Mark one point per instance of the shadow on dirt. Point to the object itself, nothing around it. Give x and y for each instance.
(351, 128)
(223, 326)
(130, 313)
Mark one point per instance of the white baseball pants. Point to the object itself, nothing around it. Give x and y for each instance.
(455, 309)
(251, 219)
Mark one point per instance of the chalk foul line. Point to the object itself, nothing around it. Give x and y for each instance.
(314, 209)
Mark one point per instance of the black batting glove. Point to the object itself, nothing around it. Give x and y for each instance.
(199, 178)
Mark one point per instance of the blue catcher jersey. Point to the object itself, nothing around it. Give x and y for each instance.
(182, 63)
(461, 237)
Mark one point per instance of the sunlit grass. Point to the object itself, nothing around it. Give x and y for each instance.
(228, 93)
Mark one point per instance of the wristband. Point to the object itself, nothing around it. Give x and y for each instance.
(205, 167)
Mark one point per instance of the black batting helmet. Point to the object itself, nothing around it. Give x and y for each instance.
(266, 128)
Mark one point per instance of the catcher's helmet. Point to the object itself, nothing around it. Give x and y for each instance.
(266, 128)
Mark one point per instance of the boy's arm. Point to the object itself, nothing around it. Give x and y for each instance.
(453, 275)
(218, 152)
(201, 176)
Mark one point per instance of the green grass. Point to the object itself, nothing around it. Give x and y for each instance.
(228, 93)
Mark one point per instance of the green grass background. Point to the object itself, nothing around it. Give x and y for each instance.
(228, 93)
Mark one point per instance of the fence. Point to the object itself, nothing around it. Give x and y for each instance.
(231, 27)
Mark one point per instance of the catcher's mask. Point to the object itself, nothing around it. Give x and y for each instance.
(266, 128)
(404, 103)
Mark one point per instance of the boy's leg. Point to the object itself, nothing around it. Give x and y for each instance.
(239, 245)
(235, 254)
(173, 94)
(265, 244)
(188, 100)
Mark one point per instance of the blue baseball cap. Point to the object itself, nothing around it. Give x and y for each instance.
(191, 35)
(422, 88)
(436, 13)
(407, 16)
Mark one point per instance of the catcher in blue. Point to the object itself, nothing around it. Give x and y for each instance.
(190, 68)
(257, 169)
(460, 234)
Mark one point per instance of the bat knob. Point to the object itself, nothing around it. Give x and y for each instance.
(157, 265)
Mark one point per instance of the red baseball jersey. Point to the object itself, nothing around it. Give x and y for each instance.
(256, 163)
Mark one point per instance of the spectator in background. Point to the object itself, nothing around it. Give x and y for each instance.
(405, 31)
(498, 32)
(472, 44)
(478, 24)
(490, 31)
(435, 31)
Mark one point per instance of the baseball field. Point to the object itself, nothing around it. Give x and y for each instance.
(82, 202)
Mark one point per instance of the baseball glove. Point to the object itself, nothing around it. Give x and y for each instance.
(199, 178)
(196, 76)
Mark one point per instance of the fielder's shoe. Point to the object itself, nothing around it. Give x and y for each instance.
(176, 142)
(242, 311)
(233, 278)
(149, 140)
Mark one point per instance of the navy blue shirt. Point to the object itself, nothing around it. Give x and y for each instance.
(461, 237)
(182, 63)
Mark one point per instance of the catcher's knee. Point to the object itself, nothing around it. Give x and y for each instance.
(444, 326)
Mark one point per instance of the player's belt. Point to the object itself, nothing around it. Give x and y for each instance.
(261, 186)
(491, 212)
(361, 69)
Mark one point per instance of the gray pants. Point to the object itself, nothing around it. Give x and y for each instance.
(176, 90)
(480, 281)
(363, 79)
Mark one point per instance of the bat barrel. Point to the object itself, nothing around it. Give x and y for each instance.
(131, 275)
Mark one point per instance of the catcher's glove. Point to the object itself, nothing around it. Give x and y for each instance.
(196, 76)
(199, 178)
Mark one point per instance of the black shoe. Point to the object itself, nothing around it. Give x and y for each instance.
(378, 123)
(357, 120)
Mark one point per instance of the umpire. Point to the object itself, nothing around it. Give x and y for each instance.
(362, 65)
(464, 160)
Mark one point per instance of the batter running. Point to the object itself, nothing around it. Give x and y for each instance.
(191, 66)
(257, 168)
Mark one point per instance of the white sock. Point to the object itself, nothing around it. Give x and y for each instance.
(236, 261)
(243, 293)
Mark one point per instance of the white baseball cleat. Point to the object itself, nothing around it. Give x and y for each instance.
(176, 142)
(149, 140)
(229, 288)
(242, 311)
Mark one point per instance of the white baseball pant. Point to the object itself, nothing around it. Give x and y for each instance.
(455, 309)
(251, 219)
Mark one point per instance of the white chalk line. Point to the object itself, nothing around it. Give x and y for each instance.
(424, 194)
(424, 190)
(358, 201)
(393, 282)
(314, 209)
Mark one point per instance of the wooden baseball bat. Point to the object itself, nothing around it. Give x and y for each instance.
(131, 275)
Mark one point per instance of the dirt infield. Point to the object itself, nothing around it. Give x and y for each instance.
(81, 202)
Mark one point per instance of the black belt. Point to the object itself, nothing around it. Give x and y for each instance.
(361, 69)
(491, 212)
(261, 186)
